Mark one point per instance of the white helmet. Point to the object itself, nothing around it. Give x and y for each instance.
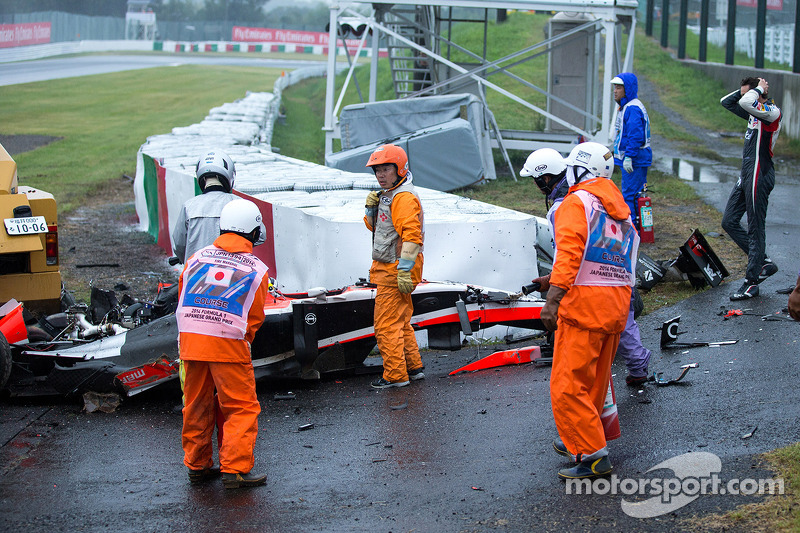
(241, 216)
(218, 164)
(594, 158)
(543, 161)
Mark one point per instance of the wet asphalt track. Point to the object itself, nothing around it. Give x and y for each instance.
(447, 454)
(87, 65)
(464, 453)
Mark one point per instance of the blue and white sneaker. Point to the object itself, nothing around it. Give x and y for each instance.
(749, 289)
(383, 384)
(767, 269)
(590, 468)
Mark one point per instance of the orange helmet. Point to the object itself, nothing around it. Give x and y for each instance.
(390, 153)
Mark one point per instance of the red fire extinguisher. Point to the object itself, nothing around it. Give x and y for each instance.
(645, 209)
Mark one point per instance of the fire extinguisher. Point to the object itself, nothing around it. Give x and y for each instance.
(645, 208)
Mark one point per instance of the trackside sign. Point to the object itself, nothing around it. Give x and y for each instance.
(308, 38)
(12, 35)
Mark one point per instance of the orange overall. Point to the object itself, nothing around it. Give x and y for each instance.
(590, 320)
(393, 309)
(225, 364)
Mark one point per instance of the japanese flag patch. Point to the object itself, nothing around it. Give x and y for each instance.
(219, 276)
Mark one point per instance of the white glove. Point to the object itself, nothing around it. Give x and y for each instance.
(627, 164)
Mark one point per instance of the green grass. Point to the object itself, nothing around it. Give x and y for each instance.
(714, 53)
(682, 87)
(102, 120)
(519, 31)
(775, 514)
(668, 130)
(303, 106)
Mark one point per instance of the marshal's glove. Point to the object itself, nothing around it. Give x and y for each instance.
(627, 164)
(408, 257)
(404, 282)
(544, 283)
(371, 205)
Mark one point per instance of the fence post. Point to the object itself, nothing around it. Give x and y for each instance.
(701, 53)
(665, 23)
(684, 16)
(648, 18)
(731, 35)
(761, 25)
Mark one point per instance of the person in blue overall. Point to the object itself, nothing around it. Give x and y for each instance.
(631, 134)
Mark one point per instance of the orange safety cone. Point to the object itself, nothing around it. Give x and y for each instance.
(506, 357)
(12, 325)
(610, 417)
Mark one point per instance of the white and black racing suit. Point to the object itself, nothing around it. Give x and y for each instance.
(198, 222)
(751, 193)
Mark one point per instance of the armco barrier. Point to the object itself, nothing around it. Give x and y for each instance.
(40, 51)
(221, 46)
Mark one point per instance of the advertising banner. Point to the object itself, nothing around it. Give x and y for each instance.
(775, 5)
(12, 35)
(271, 35)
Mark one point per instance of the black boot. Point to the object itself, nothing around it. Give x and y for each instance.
(238, 481)
(589, 468)
(201, 476)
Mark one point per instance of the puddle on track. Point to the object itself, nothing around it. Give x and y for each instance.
(696, 171)
(688, 170)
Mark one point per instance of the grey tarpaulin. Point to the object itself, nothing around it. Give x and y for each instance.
(362, 124)
(441, 157)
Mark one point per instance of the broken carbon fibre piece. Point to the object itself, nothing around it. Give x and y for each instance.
(661, 382)
(669, 337)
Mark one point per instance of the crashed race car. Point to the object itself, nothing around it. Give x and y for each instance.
(130, 347)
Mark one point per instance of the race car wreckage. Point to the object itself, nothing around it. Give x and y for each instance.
(128, 347)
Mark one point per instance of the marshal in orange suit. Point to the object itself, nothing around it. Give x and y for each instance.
(587, 305)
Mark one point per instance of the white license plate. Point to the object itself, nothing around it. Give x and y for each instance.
(25, 226)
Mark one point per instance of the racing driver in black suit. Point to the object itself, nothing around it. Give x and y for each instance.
(751, 193)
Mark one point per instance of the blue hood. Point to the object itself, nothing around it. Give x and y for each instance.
(631, 87)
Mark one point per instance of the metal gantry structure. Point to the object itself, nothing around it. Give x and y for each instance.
(418, 37)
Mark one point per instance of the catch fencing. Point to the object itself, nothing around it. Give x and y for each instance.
(778, 41)
(758, 29)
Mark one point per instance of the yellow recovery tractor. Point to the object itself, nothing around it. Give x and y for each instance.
(29, 271)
